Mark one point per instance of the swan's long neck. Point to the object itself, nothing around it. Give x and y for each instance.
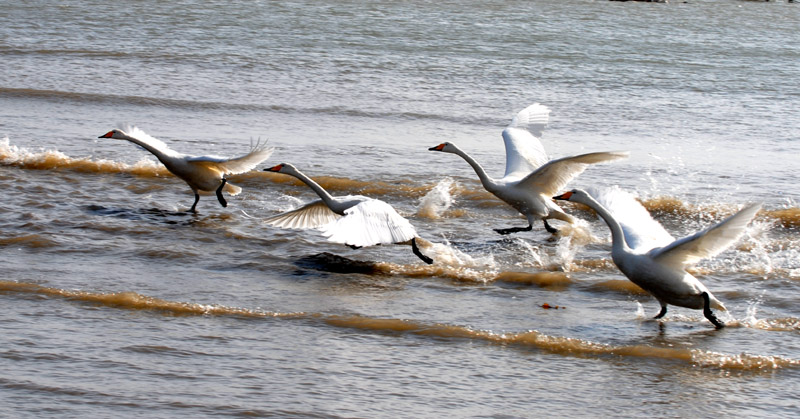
(486, 180)
(147, 146)
(618, 242)
(323, 194)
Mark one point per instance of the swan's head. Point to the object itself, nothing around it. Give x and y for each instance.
(446, 147)
(115, 133)
(282, 168)
(575, 195)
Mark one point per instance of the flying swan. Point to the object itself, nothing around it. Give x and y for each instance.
(354, 220)
(530, 179)
(652, 259)
(202, 173)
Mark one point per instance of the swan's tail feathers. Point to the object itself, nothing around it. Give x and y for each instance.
(312, 215)
(419, 254)
(231, 189)
(709, 314)
(717, 304)
(534, 118)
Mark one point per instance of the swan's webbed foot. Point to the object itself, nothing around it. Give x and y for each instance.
(196, 200)
(419, 254)
(510, 230)
(354, 247)
(221, 199)
(661, 313)
(707, 312)
(549, 228)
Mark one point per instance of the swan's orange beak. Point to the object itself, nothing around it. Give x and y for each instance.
(563, 197)
(439, 147)
(275, 168)
(107, 135)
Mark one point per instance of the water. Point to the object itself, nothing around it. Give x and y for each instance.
(118, 303)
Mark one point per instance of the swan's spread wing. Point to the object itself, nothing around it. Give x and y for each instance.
(707, 243)
(524, 151)
(369, 223)
(146, 138)
(258, 154)
(312, 215)
(641, 231)
(554, 176)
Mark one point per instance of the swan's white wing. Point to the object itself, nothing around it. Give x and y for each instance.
(524, 151)
(369, 223)
(146, 138)
(707, 243)
(554, 176)
(312, 215)
(258, 154)
(641, 231)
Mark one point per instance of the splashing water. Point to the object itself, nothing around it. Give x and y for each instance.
(438, 200)
(449, 255)
(750, 319)
(535, 253)
(640, 313)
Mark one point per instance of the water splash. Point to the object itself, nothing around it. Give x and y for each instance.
(640, 313)
(534, 252)
(450, 262)
(438, 200)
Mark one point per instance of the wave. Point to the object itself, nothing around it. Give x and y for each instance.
(531, 339)
(110, 99)
(135, 301)
(345, 185)
(11, 155)
(34, 241)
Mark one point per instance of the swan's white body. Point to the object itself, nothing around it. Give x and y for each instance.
(354, 220)
(202, 173)
(530, 179)
(652, 259)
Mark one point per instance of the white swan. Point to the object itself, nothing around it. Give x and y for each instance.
(202, 173)
(354, 220)
(530, 179)
(652, 259)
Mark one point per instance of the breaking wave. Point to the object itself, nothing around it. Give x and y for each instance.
(530, 339)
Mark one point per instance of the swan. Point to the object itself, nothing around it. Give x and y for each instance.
(530, 179)
(354, 220)
(652, 259)
(202, 173)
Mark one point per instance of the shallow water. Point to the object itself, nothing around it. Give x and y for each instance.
(118, 303)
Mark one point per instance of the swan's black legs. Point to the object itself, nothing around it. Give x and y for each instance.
(707, 312)
(516, 229)
(661, 313)
(354, 247)
(419, 254)
(196, 199)
(221, 199)
(549, 228)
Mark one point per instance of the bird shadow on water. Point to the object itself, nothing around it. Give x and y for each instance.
(151, 214)
(341, 273)
(328, 262)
